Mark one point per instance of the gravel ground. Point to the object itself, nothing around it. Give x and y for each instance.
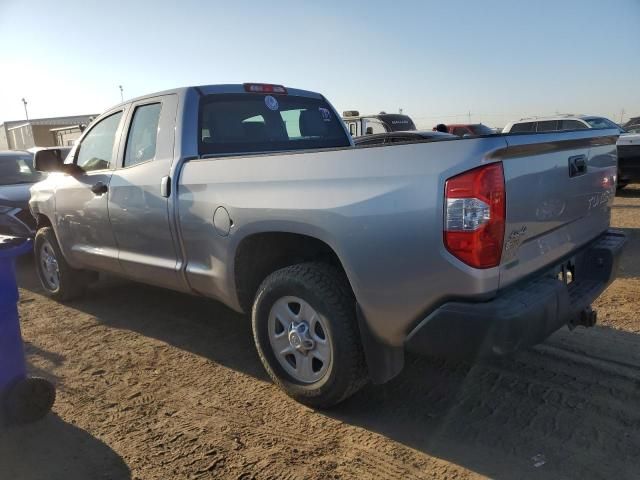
(158, 385)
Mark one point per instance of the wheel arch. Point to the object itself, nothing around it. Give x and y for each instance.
(42, 221)
(262, 253)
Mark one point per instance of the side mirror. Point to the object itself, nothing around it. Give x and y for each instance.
(52, 160)
(48, 160)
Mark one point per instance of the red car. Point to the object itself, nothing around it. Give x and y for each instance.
(472, 129)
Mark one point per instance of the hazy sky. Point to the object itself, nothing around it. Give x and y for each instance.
(437, 60)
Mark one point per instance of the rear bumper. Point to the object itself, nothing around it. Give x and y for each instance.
(524, 314)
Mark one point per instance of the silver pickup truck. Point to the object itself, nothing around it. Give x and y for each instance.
(345, 257)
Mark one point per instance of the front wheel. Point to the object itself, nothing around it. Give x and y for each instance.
(306, 333)
(58, 279)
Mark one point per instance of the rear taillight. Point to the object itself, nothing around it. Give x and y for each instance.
(474, 216)
(264, 88)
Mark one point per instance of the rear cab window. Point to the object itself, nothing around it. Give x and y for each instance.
(236, 123)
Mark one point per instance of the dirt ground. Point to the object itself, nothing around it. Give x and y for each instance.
(157, 385)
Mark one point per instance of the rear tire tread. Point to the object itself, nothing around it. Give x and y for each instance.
(332, 287)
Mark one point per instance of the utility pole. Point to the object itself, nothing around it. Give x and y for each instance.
(26, 114)
(469, 115)
(621, 115)
(121, 94)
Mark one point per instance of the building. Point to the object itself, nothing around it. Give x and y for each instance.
(42, 132)
(633, 121)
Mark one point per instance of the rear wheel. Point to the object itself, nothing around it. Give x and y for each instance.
(306, 334)
(59, 280)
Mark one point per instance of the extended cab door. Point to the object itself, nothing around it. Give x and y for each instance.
(82, 220)
(137, 208)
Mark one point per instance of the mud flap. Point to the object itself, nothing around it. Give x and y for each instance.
(384, 361)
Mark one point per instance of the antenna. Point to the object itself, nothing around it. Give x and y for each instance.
(121, 94)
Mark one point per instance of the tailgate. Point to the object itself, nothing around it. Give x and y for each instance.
(560, 187)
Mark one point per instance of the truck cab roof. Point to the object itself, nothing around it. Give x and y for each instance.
(221, 89)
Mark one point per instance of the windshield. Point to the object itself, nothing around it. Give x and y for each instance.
(481, 129)
(599, 122)
(15, 170)
(248, 123)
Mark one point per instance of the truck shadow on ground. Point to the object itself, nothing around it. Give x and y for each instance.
(570, 403)
(54, 449)
(565, 409)
(632, 191)
(630, 262)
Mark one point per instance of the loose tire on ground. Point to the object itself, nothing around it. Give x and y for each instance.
(28, 400)
(324, 291)
(68, 283)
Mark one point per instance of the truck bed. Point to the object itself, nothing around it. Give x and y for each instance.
(381, 210)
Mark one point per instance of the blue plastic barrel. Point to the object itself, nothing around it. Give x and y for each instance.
(22, 399)
(12, 362)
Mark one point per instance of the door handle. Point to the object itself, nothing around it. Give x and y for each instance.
(99, 188)
(577, 165)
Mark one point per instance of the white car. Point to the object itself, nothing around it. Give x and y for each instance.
(559, 123)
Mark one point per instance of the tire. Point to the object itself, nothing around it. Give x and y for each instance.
(68, 283)
(29, 400)
(334, 368)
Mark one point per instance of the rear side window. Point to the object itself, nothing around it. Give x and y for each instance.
(141, 142)
(249, 123)
(523, 127)
(571, 125)
(548, 126)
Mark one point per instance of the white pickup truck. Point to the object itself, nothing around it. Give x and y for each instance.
(344, 257)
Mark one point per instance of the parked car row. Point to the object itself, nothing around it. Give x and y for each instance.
(387, 129)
